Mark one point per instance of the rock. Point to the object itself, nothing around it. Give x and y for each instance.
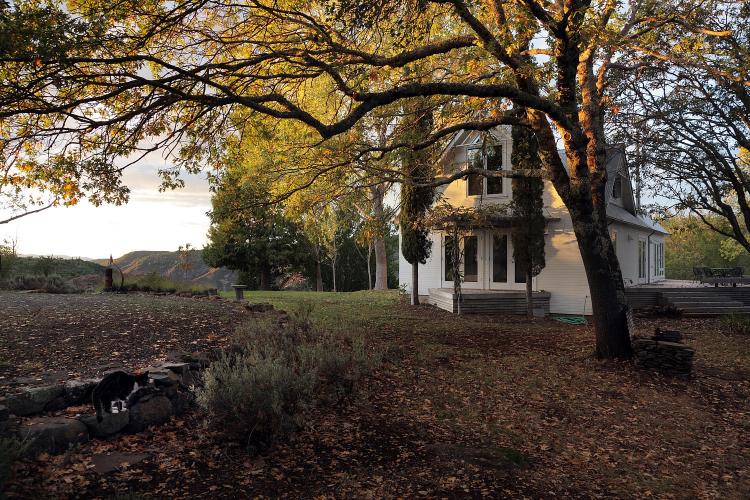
(32, 400)
(105, 463)
(78, 391)
(181, 402)
(260, 307)
(52, 434)
(165, 381)
(110, 424)
(56, 404)
(670, 358)
(177, 368)
(150, 410)
(191, 378)
(4, 413)
(196, 360)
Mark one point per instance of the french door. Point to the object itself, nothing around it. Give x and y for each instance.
(501, 267)
(486, 262)
(472, 255)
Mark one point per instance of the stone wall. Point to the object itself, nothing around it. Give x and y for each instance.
(670, 358)
(25, 413)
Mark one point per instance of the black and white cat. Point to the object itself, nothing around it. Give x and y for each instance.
(115, 387)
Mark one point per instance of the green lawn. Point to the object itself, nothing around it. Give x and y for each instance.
(334, 310)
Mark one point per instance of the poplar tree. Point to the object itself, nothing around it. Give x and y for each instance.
(528, 231)
(415, 199)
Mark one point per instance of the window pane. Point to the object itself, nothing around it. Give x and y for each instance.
(448, 258)
(475, 185)
(494, 158)
(494, 162)
(471, 267)
(494, 185)
(617, 187)
(500, 258)
(474, 160)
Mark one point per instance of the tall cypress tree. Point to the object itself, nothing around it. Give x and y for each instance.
(528, 230)
(415, 200)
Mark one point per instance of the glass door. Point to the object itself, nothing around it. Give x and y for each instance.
(471, 257)
(502, 270)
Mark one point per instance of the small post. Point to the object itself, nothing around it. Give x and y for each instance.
(239, 292)
(108, 275)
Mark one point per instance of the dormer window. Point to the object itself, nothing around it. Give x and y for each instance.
(617, 187)
(489, 158)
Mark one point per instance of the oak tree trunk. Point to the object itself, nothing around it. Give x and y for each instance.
(608, 301)
(381, 255)
(581, 186)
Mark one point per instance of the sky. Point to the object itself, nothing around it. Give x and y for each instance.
(149, 221)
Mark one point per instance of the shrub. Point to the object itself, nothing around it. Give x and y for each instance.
(736, 324)
(50, 284)
(262, 386)
(11, 449)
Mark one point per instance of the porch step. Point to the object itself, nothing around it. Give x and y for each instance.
(699, 302)
(684, 304)
(716, 311)
(691, 299)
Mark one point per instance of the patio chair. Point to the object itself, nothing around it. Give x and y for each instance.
(698, 274)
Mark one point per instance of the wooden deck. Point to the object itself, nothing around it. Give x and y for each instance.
(691, 298)
(489, 301)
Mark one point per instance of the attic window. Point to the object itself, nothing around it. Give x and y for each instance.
(492, 159)
(617, 187)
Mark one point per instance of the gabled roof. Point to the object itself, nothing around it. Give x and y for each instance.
(616, 165)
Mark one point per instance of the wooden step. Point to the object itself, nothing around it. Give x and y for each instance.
(697, 298)
(715, 311)
(698, 304)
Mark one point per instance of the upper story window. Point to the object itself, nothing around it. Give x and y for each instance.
(617, 187)
(491, 158)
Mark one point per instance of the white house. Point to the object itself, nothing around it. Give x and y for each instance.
(488, 253)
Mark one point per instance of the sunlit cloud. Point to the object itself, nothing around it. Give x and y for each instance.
(151, 220)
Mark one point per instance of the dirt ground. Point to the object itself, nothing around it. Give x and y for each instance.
(460, 407)
(46, 337)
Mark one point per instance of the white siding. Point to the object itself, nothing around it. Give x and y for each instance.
(429, 272)
(564, 276)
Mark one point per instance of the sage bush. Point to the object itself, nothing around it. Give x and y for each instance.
(275, 371)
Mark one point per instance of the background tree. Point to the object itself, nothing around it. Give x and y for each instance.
(183, 69)
(184, 261)
(692, 243)
(250, 236)
(528, 232)
(8, 257)
(688, 121)
(415, 198)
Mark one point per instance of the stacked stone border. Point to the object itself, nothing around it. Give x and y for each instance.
(23, 413)
(669, 358)
(170, 393)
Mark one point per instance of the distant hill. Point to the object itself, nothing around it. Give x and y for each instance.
(167, 265)
(64, 267)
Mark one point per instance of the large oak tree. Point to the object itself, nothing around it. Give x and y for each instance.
(128, 77)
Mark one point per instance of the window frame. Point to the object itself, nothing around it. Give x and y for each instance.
(485, 183)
